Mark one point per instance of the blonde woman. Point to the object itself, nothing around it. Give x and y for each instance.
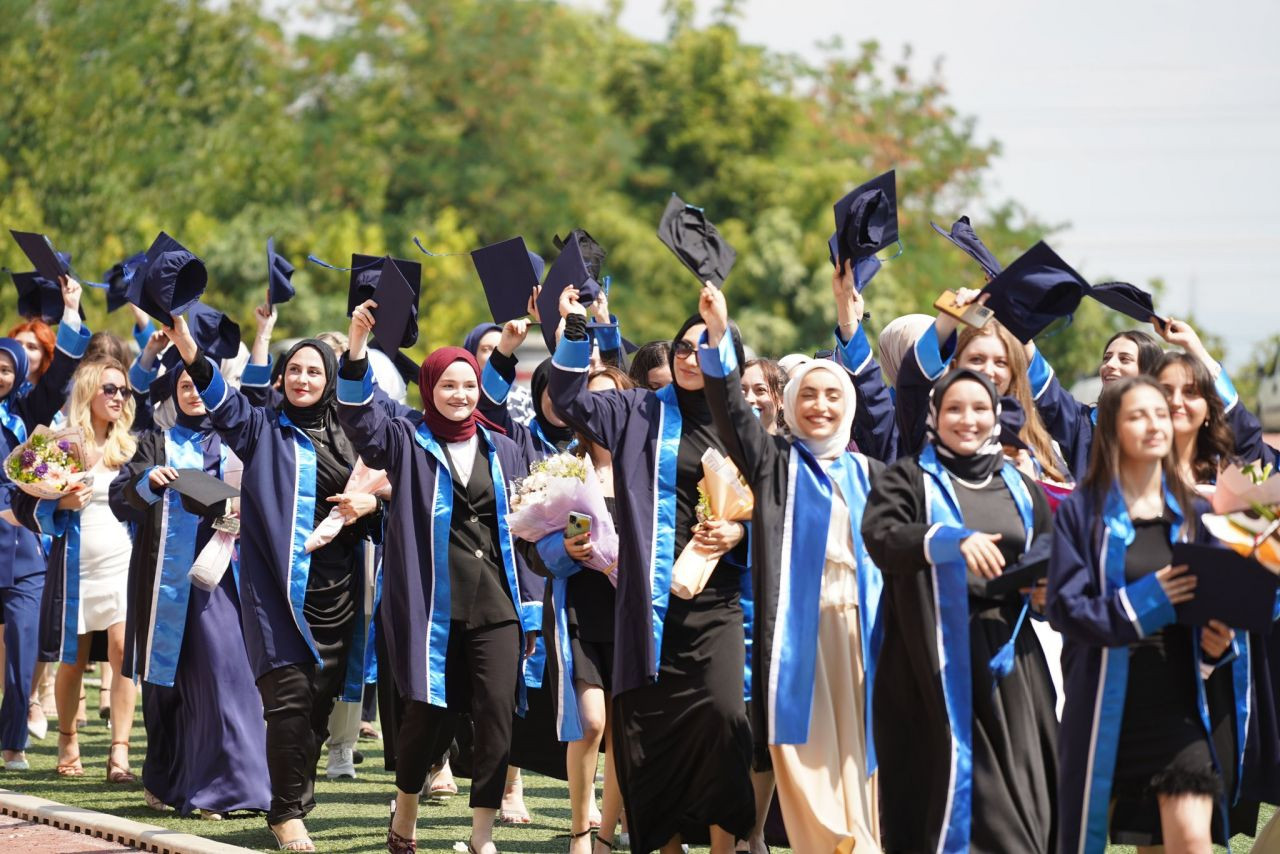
(85, 589)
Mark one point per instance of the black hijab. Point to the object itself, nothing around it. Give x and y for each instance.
(989, 457)
(196, 423)
(693, 404)
(335, 457)
(558, 436)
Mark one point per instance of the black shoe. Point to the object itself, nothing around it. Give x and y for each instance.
(356, 757)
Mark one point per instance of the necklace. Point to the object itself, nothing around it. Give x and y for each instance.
(968, 484)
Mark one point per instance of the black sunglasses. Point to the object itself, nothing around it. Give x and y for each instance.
(111, 390)
(684, 349)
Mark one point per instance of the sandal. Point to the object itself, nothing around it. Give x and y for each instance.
(117, 773)
(153, 802)
(72, 767)
(600, 840)
(301, 843)
(397, 844)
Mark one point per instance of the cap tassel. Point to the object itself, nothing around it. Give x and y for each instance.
(1002, 663)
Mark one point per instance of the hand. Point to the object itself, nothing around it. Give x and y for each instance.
(1215, 638)
(600, 308)
(533, 304)
(157, 342)
(70, 292)
(946, 324)
(77, 498)
(162, 476)
(579, 548)
(530, 644)
(982, 555)
(180, 336)
(1022, 462)
(569, 302)
(362, 323)
(1039, 595)
(718, 536)
(353, 505)
(513, 334)
(265, 317)
(850, 306)
(715, 313)
(1177, 584)
(1181, 334)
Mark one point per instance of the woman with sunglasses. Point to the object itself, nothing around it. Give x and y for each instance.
(27, 399)
(86, 585)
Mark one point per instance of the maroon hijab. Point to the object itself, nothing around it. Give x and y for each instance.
(443, 428)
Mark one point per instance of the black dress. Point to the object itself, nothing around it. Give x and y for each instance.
(1014, 728)
(682, 745)
(589, 607)
(1162, 747)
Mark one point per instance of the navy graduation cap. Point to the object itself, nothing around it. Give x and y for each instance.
(687, 232)
(963, 236)
(215, 333)
(569, 268)
(866, 219)
(49, 263)
(279, 273)
(169, 280)
(592, 252)
(38, 298)
(508, 272)
(1127, 299)
(117, 280)
(1034, 291)
(394, 284)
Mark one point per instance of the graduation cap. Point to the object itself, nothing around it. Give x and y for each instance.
(509, 272)
(569, 268)
(592, 252)
(864, 269)
(1012, 420)
(1127, 299)
(688, 233)
(866, 219)
(169, 280)
(279, 272)
(963, 235)
(202, 494)
(117, 280)
(397, 313)
(366, 275)
(215, 333)
(1030, 568)
(1034, 291)
(1230, 588)
(38, 297)
(49, 263)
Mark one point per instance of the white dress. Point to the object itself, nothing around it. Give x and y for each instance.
(104, 559)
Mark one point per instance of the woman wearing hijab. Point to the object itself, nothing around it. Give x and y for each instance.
(299, 610)
(976, 767)
(206, 744)
(481, 342)
(455, 611)
(23, 407)
(681, 736)
(817, 626)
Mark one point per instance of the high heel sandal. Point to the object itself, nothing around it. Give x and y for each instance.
(600, 840)
(117, 773)
(72, 767)
(397, 844)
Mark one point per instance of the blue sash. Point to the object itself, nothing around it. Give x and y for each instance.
(11, 422)
(951, 607)
(304, 510)
(662, 550)
(172, 588)
(71, 592)
(438, 608)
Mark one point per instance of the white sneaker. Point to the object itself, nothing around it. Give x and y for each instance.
(341, 764)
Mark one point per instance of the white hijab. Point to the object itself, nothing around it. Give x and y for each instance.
(835, 444)
(898, 336)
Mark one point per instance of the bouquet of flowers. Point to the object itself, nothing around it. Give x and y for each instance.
(1246, 517)
(722, 494)
(49, 463)
(557, 486)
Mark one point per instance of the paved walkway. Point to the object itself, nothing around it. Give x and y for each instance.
(32, 838)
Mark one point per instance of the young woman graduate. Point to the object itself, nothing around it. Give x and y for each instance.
(762, 383)
(88, 567)
(25, 404)
(454, 612)
(1137, 755)
(681, 736)
(299, 611)
(817, 628)
(978, 772)
(206, 742)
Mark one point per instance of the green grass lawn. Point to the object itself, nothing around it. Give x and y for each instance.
(350, 816)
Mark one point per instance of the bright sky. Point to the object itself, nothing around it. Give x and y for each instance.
(1151, 128)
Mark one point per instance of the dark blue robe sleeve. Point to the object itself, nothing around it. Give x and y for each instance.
(1068, 421)
(255, 383)
(745, 439)
(368, 422)
(44, 400)
(600, 416)
(131, 495)
(875, 428)
(238, 421)
(923, 363)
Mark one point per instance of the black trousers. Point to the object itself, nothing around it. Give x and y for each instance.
(482, 669)
(296, 702)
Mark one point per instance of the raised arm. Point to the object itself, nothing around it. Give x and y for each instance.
(923, 363)
(874, 426)
(1068, 421)
(499, 375)
(749, 444)
(44, 401)
(367, 422)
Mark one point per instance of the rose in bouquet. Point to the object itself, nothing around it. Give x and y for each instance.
(555, 487)
(49, 463)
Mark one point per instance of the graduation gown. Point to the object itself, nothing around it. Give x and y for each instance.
(206, 739)
(967, 763)
(415, 605)
(1099, 616)
(277, 514)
